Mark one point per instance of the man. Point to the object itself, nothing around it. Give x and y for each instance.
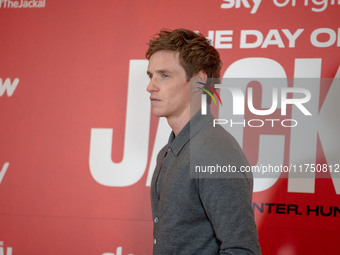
(198, 215)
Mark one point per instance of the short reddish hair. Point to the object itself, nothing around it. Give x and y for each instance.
(195, 52)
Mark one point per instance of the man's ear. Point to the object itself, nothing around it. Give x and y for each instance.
(199, 80)
(201, 76)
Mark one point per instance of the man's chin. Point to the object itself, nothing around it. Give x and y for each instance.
(158, 113)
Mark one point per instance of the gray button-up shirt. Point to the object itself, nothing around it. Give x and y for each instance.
(202, 215)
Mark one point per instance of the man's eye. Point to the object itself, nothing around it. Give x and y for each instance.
(164, 75)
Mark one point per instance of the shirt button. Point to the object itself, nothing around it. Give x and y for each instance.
(169, 149)
(154, 241)
(155, 220)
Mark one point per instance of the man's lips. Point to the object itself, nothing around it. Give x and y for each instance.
(154, 99)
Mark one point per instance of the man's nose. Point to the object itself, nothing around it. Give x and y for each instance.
(152, 86)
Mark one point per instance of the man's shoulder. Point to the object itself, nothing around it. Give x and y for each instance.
(215, 137)
(217, 144)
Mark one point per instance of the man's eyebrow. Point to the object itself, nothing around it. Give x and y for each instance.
(159, 71)
(163, 71)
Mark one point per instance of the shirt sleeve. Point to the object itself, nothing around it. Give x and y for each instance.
(227, 203)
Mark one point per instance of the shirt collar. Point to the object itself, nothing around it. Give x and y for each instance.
(175, 144)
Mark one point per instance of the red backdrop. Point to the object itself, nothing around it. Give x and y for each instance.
(78, 140)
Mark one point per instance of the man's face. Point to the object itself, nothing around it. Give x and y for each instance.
(169, 89)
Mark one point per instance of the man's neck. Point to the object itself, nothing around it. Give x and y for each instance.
(178, 123)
